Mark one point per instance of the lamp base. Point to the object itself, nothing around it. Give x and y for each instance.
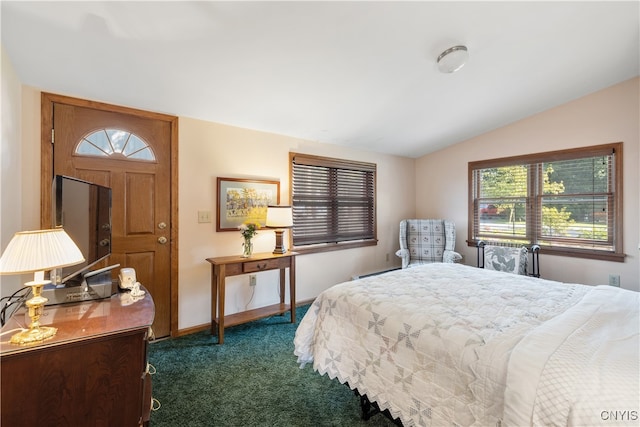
(29, 336)
(35, 305)
(279, 250)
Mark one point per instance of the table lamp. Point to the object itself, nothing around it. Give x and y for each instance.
(279, 218)
(35, 252)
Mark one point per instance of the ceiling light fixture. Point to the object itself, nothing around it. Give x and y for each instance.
(452, 59)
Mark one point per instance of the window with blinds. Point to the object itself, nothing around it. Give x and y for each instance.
(568, 202)
(333, 201)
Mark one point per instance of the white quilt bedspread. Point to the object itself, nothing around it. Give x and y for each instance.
(431, 343)
(581, 368)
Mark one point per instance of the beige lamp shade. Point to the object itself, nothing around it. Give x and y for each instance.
(41, 250)
(279, 217)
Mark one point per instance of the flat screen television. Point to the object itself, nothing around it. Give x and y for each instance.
(83, 209)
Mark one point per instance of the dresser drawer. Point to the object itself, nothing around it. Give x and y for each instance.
(266, 264)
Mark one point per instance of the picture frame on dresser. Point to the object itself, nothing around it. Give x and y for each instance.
(240, 200)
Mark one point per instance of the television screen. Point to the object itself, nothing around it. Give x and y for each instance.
(83, 209)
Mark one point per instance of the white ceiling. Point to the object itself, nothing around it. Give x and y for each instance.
(358, 74)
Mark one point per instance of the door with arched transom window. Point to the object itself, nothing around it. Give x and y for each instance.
(131, 152)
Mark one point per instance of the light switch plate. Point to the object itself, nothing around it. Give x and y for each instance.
(204, 216)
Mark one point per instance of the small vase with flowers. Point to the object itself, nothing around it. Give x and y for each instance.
(248, 229)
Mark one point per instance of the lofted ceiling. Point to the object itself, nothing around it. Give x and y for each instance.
(358, 74)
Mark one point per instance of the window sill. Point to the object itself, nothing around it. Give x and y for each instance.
(578, 253)
(327, 247)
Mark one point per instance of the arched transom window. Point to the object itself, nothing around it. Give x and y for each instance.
(115, 143)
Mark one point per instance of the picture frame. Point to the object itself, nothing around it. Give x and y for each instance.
(241, 200)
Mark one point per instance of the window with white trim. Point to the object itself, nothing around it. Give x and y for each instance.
(333, 203)
(569, 202)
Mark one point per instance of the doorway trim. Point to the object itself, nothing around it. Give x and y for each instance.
(46, 175)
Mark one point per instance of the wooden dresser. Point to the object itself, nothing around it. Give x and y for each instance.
(93, 372)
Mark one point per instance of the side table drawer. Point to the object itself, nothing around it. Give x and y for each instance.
(268, 264)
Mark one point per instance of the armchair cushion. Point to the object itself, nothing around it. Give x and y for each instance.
(425, 239)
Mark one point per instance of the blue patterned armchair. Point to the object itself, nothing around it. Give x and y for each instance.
(423, 241)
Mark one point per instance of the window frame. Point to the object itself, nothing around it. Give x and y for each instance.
(534, 203)
(333, 163)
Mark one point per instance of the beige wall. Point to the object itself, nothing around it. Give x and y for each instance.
(10, 156)
(610, 115)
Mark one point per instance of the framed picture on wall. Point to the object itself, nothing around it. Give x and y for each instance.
(241, 200)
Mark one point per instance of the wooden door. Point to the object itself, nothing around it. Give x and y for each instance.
(90, 143)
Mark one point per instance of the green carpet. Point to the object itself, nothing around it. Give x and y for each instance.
(251, 380)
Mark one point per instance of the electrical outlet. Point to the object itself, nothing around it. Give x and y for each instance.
(614, 280)
(387, 257)
(252, 280)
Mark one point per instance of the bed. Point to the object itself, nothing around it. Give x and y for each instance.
(448, 344)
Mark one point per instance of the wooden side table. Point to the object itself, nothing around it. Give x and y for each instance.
(223, 267)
